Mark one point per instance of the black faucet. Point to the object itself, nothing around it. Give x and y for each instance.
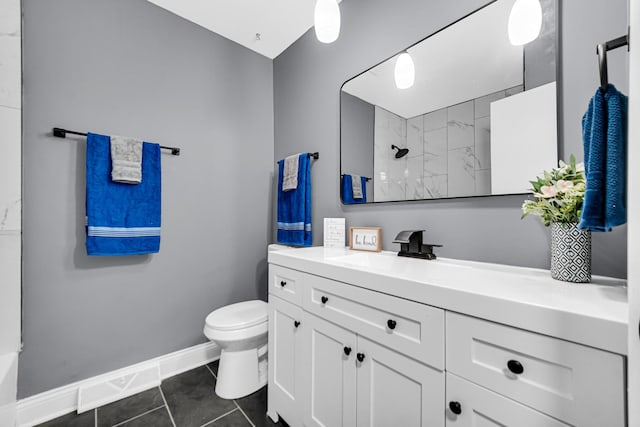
(411, 245)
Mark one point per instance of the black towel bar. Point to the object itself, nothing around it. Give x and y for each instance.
(62, 133)
(366, 178)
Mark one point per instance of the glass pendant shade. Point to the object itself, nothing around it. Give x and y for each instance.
(405, 71)
(326, 20)
(525, 21)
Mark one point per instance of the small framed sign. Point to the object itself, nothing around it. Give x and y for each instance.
(365, 238)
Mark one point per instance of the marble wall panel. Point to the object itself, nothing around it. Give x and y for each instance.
(483, 142)
(435, 186)
(460, 123)
(415, 136)
(435, 120)
(461, 172)
(435, 152)
(415, 182)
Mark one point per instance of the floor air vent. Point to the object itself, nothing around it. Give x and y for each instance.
(111, 388)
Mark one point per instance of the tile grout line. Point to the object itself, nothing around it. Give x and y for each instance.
(245, 415)
(167, 405)
(219, 418)
(211, 370)
(137, 416)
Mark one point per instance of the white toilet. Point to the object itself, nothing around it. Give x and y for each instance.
(241, 332)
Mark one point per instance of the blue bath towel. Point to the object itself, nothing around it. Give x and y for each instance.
(122, 219)
(604, 133)
(294, 206)
(346, 190)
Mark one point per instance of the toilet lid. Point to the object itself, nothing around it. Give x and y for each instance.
(238, 316)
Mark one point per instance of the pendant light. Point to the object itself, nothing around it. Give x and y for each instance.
(326, 20)
(525, 21)
(405, 71)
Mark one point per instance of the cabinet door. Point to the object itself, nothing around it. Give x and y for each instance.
(395, 390)
(476, 406)
(285, 346)
(330, 374)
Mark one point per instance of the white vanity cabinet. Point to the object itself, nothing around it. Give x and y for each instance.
(363, 340)
(367, 359)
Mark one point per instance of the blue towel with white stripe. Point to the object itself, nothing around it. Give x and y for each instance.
(122, 219)
(294, 206)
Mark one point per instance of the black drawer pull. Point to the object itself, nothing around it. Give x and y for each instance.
(324, 299)
(515, 367)
(455, 407)
(296, 323)
(347, 350)
(283, 283)
(360, 357)
(391, 324)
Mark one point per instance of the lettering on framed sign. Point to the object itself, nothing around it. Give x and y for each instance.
(365, 238)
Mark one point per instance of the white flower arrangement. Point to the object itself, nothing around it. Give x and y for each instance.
(558, 194)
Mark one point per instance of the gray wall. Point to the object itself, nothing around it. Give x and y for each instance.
(130, 68)
(307, 80)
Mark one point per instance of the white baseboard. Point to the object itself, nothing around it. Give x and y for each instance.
(63, 400)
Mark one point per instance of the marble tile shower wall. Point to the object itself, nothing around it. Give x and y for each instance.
(389, 173)
(449, 151)
(10, 173)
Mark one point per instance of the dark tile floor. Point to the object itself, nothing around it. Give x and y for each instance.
(186, 400)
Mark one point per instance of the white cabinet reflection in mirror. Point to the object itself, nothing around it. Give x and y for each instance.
(524, 123)
(364, 344)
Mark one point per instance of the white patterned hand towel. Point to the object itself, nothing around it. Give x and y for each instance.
(356, 186)
(126, 160)
(290, 173)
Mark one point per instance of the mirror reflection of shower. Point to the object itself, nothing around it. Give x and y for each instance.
(401, 151)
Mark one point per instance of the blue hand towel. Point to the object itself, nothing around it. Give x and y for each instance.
(294, 206)
(346, 190)
(122, 219)
(604, 128)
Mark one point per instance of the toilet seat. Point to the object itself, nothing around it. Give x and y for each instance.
(242, 315)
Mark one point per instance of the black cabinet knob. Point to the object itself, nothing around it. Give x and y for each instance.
(391, 324)
(515, 367)
(347, 350)
(360, 357)
(296, 323)
(324, 299)
(283, 283)
(455, 407)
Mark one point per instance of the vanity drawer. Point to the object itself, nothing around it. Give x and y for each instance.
(477, 406)
(414, 329)
(286, 283)
(576, 384)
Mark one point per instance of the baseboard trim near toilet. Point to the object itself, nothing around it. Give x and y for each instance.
(51, 404)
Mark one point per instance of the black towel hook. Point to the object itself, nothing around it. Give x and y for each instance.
(601, 51)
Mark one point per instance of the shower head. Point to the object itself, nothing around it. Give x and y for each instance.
(401, 151)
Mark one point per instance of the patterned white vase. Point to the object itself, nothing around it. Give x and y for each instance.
(570, 253)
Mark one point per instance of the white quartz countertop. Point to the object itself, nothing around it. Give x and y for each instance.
(593, 314)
